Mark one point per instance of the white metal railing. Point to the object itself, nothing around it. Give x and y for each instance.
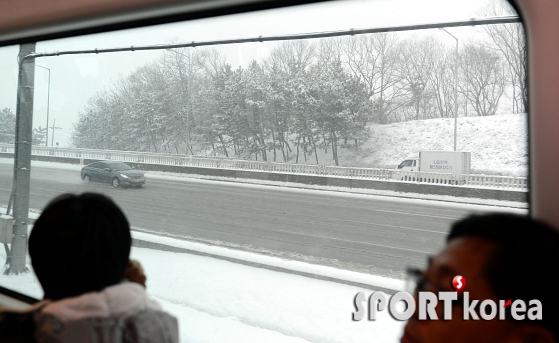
(478, 181)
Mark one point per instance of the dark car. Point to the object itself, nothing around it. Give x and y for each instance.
(113, 172)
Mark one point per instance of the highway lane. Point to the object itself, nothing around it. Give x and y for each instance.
(364, 233)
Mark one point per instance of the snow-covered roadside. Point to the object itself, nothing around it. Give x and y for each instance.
(221, 301)
(275, 262)
(42, 164)
(499, 143)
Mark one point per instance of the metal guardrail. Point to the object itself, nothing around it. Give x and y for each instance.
(477, 181)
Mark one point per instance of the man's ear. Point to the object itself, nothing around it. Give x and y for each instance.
(531, 333)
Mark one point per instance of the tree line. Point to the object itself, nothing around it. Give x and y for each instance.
(306, 96)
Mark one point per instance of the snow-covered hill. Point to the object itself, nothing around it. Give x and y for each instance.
(498, 144)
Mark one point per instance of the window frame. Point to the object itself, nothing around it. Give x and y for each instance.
(539, 19)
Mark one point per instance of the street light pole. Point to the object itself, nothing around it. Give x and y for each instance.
(455, 87)
(48, 106)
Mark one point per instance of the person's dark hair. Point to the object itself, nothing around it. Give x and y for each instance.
(79, 244)
(525, 264)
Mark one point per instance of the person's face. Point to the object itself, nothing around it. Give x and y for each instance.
(468, 257)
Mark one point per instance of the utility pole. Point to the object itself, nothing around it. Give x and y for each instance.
(48, 106)
(189, 89)
(455, 87)
(22, 159)
(53, 127)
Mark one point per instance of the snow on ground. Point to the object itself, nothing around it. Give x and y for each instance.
(246, 304)
(499, 144)
(297, 266)
(220, 301)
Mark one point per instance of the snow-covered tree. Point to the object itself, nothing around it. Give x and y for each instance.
(305, 96)
(7, 126)
(374, 59)
(510, 40)
(419, 59)
(39, 136)
(483, 78)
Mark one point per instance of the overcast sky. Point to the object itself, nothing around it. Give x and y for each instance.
(74, 79)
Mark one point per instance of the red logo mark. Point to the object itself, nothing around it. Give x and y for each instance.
(507, 303)
(459, 282)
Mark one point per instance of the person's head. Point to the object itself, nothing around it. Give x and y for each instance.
(79, 244)
(502, 257)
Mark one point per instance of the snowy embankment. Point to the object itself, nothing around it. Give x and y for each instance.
(499, 144)
(221, 301)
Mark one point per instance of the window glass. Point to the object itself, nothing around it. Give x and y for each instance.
(120, 167)
(406, 163)
(97, 165)
(281, 154)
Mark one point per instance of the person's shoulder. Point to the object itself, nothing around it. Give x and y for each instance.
(116, 301)
(147, 325)
(127, 298)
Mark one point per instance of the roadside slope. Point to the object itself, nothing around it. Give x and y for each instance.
(499, 144)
